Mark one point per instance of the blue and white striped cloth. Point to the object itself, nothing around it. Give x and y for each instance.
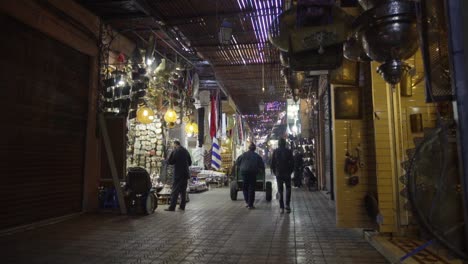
(215, 155)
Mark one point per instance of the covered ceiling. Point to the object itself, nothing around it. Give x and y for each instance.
(189, 29)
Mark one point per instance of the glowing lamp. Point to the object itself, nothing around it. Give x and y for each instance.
(145, 115)
(191, 129)
(195, 127)
(170, 116)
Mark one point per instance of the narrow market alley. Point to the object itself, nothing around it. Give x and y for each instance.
(213, 229)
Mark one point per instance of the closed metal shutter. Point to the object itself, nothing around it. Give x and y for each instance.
(43, 108)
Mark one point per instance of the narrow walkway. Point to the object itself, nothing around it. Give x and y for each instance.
(213, 229)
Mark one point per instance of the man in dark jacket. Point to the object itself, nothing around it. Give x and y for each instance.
(181, 160)
(282, 165)
(249, 165)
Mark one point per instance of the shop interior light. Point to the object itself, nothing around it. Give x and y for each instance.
(261, 106)
(225, 32)
(149, 61)
(170, 116)
(145, 115)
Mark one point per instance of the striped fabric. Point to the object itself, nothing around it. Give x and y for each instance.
(215, 155)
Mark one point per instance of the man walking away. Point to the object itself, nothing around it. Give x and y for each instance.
(282, 165)
(181, 160)
(249, 165)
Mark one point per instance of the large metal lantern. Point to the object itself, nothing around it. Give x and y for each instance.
(368, 4)
(388, 32)
(353, 50)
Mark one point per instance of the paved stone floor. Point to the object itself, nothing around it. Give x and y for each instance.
(213, 229)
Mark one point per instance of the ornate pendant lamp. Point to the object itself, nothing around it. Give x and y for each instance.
(387, 33)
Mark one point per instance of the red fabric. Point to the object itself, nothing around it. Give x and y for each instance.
(213, 117)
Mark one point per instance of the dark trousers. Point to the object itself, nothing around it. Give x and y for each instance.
(248, 189)
(178, 187)
(286, 180)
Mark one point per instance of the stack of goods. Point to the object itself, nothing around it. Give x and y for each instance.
(145, 147)
(226, 159)
(212, 177)
(196, 184)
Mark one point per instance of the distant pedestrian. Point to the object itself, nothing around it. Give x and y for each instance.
(181, 160)
(298, 168)
(249, 165)
(282, 165)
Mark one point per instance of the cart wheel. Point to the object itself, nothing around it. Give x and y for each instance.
(233, 191)
(150, 204)
(268, 190)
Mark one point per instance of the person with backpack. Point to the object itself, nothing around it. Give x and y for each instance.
(282, 165)
(249, 165)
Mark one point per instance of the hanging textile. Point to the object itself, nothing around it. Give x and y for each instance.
(201, 125)
(240, 128)
(215, 155)
(213, 116)
(223, 126)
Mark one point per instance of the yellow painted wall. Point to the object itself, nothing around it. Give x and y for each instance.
(350, 210)
(392, 138)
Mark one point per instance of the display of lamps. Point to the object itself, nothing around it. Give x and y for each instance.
(145, 115)
(170, 116)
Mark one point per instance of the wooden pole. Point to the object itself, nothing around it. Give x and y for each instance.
(113, 168)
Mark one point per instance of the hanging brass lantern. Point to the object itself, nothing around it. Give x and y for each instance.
(170, 116)
(145, 115)
(191, 129)
(195, 128)
(170, 124)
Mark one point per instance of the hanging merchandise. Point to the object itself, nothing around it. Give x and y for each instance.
(201, 125)
(215, 155)
(223, 125)
(145, 145)
(213, 117)
(351, 162)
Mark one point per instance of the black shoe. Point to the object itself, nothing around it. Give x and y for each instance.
(251, 207)
(288, 210)
(180, 208)
(169, 209)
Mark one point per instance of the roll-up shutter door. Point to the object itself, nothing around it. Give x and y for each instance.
(43, 110)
